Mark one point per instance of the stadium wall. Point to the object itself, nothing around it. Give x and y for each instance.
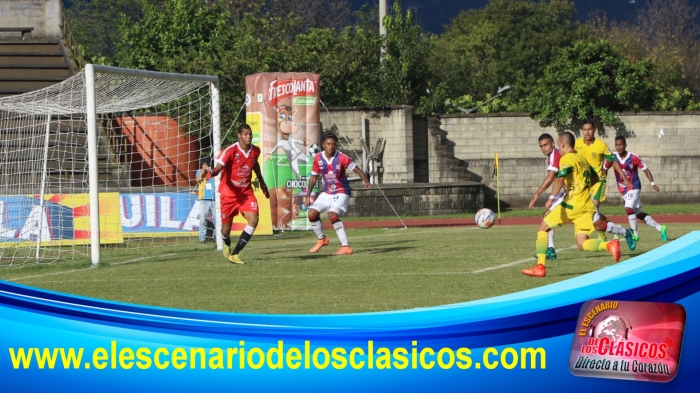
(672, 156)
(395, 125)
(43, 15)
(462, 148)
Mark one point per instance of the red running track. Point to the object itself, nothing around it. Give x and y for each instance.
(452, 222)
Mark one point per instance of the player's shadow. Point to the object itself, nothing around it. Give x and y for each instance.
(384, 250)
(573, 274)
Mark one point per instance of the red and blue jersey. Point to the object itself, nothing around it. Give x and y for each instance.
(553, 160)
(333, 172)
(631, 165)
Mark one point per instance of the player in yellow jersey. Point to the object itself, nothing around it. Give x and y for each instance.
(577, 207)
(597, 152)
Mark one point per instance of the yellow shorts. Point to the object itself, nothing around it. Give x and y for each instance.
(598, 191)
(582, 220)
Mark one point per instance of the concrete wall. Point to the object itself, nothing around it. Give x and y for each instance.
(419, 199)
(462, 148)
(43, 15)
(674, 158)
(395, 125)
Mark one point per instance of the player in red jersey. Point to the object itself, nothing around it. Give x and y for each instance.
(631, 163)
(236, 164)
(546, 143)
(331, 165)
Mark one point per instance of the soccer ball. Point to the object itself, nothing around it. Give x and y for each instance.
(314, 149)
(485, 218)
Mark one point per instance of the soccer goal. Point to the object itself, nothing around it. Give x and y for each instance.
(105, 160)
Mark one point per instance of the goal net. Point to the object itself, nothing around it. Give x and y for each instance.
(109, 148)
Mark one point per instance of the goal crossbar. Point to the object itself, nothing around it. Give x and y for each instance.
(87, 95)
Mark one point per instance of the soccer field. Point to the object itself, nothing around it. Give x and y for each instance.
(390, 270)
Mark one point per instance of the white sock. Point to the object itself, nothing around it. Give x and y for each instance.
(249, 230)
(340, 231)
(551, 238)
(616, 229)
(632, 218)
(650, 221)
(317, 226)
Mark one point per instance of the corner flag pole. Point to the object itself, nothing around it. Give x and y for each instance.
(497, 172)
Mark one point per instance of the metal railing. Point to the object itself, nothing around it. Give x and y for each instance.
(71, 44)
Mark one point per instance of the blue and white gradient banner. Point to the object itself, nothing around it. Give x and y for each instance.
(126, 346)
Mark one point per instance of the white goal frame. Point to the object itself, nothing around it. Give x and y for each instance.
(90, 71)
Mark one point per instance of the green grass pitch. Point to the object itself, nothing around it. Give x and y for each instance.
(390, 270)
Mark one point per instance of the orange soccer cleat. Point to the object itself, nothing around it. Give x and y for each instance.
(614, 248)
(538, 271)
(344, 250)
(319, 244)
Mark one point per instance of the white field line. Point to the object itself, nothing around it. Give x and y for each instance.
(172, 254)
(311, 242)
(89, 268)
(50, 274)
(334, 275)
(143, 258)
(309, 275)
(516, 262)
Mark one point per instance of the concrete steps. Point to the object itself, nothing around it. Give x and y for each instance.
(28, 65)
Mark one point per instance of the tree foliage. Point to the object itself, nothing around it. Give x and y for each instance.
(591, 80)
(666, 33)
(508, 42)
(535, 46)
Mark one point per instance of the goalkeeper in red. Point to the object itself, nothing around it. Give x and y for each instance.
(236, 164)
(332, 165)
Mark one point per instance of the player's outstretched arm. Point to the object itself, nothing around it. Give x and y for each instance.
(651, 179)
(618, 169)
(363, 176)
(263, 186)
(548, 180)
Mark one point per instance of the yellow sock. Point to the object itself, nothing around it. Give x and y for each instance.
(601, 236)
(602, 246)
(541, 247)
(595, 245)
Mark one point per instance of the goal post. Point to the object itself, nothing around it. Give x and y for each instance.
(121, 140)
(90, 71)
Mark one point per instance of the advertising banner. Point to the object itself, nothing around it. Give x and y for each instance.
(174, 214)
(284, 113)
(63, 219)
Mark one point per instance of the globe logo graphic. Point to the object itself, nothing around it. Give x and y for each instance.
(612, 327)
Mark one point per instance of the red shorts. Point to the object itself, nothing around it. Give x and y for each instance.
(232, 205)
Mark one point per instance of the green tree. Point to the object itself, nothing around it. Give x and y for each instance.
(667, 33)
(95, 23)
(191, 36)
(591, 80)
(348, 62)
(508, 42)
(406, 76)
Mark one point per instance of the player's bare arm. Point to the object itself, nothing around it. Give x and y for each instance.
(556, 187)
(310, 186)
(263, 186)
(651, 179)
(618, 169)
(548, 180)
(217, 169)
(363, 176)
